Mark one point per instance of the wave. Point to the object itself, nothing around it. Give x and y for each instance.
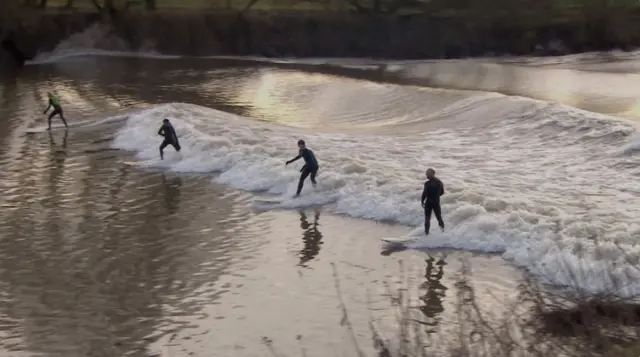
(61, 55)
(604, 92)
(562, 79)
(633, 147)
(551, 188)
(96, 40)
(544, 198)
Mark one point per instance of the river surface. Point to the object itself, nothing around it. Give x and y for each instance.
(99, 257)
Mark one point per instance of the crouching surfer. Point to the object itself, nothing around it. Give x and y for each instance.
(170, 137)
(54, 102)
(310, 167)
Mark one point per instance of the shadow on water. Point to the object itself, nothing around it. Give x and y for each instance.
(311, 237)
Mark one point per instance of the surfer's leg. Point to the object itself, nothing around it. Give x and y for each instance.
(162, 146)
(54, 112)
(303, 176)
(313, 177)
(438, 213)
(427, 218)
(62, 117)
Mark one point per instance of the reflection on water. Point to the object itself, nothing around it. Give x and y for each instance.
(311, 236)
(434, 293)
(58, 155)
(63, 144)
(172, 193)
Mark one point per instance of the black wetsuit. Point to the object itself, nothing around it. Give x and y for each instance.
(310, 167)
(57, 110)
(170, 138)
(433, 189)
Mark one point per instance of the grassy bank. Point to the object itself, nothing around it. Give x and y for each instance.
(407, 29)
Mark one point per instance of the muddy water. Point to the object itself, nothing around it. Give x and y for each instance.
(101, 258)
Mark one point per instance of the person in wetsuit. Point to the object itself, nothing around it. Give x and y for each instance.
(310, 165)
(54, 102)
(170, 137)
(433, 189)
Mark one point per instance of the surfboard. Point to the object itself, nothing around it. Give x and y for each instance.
(43, 129)
(270, 200)
(399, 240)
(157, 163)
(136, 163)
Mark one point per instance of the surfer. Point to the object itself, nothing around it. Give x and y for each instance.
(310, 165)
(54, 102)
(170, 137)
(433, 189)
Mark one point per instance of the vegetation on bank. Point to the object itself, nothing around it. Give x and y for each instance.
(407, 29)
(477, 11)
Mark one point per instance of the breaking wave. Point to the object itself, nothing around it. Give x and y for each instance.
(539, 185)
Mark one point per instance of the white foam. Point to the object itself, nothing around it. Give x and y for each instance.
(540, 195)
(95, 41)
(633, 147)
(59, 56)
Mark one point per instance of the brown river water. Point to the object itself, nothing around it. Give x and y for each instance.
(102, 257)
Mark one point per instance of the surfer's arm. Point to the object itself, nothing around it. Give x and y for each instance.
(161, 131)
(48, 106)
(424, 194)
(294, 159)
(441, 188)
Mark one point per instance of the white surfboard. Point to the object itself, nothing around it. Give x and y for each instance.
(270, 200)
(399, 240)
(43, 129)
(168, 160)
(137, 163)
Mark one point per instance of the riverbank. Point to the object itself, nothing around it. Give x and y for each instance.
(447, 33)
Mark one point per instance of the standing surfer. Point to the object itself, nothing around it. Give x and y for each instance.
(433, 189)
(54, 101)
(170, 137)
(310, 165)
